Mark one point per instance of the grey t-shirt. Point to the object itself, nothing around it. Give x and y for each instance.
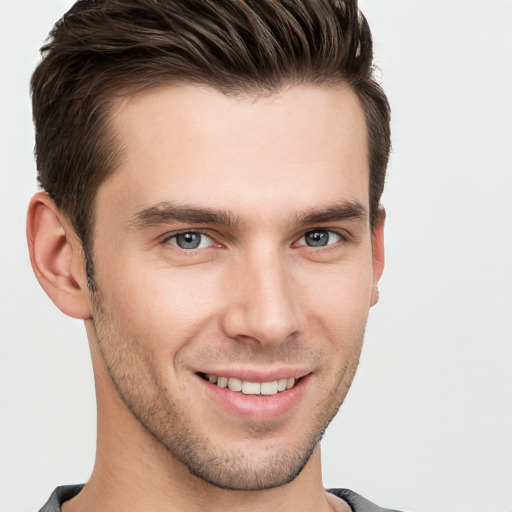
(357, 503)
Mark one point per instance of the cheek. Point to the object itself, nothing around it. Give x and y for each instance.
(338, 312)
(168, 307)
(342, 294)
(164, 307)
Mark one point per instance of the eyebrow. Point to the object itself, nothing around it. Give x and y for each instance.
(165, 213)
(349, 210)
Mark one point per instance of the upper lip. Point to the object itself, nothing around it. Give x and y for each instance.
(253, 375)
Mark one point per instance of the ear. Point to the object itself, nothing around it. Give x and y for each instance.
(57, 257)
(378, 253)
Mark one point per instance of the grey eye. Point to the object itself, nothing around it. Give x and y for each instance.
(320, 238)
(190, 240)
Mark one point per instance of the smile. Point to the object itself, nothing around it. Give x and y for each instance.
(251, 388)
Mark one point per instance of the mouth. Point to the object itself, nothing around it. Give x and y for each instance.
(253, 396)
(246, 387)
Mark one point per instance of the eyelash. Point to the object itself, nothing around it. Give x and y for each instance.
(176, 234)
(341, 235)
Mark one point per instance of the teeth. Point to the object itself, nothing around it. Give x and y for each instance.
(269, 388)
(281, 384)
(252, 388)
(234, 384)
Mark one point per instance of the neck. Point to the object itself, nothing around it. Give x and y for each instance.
(131, 482)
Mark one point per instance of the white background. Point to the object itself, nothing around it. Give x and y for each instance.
(428, 423)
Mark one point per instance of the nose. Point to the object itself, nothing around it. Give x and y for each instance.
(263, 307)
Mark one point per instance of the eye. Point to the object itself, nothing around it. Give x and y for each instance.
(190, 240)
(319, 238)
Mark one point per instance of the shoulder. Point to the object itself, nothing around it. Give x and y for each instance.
(59, 496)
(358, 503)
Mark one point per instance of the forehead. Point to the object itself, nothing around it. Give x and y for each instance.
(195, 145)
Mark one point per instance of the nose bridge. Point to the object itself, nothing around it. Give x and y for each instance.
(264, 307)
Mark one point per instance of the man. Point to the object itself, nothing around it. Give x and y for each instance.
(212, 172)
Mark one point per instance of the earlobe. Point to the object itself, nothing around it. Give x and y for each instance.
(57, 257)
(378, 253)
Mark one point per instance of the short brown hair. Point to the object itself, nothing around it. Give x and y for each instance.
(101, 49)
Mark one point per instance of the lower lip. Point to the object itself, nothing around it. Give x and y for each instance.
(258, 407)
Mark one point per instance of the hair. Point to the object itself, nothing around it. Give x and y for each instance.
(101, 50)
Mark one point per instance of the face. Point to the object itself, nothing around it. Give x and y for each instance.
(234, 273)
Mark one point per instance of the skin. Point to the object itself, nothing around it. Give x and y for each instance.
(254, 299)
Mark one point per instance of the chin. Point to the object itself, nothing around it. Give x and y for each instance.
(241, 472)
